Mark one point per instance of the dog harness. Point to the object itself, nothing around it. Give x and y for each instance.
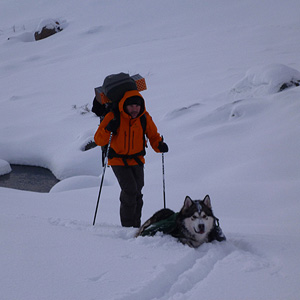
(166, 226)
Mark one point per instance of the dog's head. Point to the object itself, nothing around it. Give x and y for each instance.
(197, 220)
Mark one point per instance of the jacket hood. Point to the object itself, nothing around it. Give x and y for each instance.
(128, 95)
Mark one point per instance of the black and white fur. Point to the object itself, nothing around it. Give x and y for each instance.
(195, 223)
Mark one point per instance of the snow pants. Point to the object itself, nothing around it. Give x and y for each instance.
(131, 181)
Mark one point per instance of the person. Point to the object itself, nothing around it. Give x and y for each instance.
(127, 151)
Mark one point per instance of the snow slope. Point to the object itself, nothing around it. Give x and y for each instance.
(213, 71)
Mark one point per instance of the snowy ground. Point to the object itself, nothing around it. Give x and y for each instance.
(213, 71)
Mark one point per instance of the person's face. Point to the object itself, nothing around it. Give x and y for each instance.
(133, 110)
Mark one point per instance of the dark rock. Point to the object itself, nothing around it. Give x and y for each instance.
(47, 30)
(287, 85)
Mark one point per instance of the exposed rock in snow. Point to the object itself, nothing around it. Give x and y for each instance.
(47, 28)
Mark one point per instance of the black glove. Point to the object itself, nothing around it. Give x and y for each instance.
(163, 147)
(98, 108)
(113, 126)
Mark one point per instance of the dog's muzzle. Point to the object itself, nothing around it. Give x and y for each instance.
(200, 229)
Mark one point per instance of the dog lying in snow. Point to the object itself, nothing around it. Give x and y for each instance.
(193, 225)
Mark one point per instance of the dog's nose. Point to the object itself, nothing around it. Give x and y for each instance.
(201, 228)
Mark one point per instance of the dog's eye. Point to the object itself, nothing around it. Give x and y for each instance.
(204, 216)
(194, 218)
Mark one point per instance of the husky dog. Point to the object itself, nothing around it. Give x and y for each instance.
(194, 225)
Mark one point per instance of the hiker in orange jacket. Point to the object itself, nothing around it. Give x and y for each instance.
(127, 150)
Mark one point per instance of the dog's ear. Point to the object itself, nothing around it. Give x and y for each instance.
(188, 202)
(207, 201)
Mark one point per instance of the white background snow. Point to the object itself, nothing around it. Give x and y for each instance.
(213, 69)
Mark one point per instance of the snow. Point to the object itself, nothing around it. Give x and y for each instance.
(4, 167)
(50, 24)
(213, 71)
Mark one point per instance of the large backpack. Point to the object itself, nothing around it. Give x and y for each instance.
(108, 96)
(115, 86)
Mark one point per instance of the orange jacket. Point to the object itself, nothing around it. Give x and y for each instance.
(129, 139)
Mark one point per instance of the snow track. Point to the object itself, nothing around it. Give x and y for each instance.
(179, 278)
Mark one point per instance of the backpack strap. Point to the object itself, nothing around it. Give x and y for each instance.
(143, 120)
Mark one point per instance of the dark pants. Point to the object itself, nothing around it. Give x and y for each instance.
(131, 181)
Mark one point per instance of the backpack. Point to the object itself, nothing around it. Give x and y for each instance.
(115, 85)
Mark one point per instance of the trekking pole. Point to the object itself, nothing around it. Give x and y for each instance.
(103, 172)
(163, 174)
